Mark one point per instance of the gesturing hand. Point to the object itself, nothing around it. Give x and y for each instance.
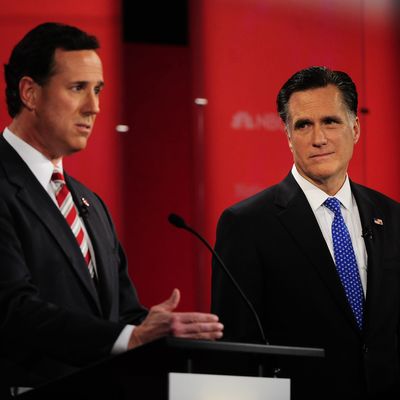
(162, 321)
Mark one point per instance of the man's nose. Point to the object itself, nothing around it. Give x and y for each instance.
(92, 104)
(319, 136)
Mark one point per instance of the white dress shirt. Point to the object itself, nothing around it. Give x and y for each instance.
(316, 198)
(43, 169)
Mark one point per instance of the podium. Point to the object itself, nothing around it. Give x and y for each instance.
(143, 372)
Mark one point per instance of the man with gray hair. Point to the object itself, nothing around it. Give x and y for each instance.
(317, 254)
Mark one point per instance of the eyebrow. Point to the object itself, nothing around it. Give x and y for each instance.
(332, 118)
(301, 122)
(327, 118)
(99, 83)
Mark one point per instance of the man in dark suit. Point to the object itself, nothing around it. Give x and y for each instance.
(280, 247)
(66, 299)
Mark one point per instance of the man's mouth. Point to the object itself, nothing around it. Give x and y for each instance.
(321, 155)
(84, 127)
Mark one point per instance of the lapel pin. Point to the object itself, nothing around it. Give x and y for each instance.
(84, 208)
(378, 221)
(85, 202)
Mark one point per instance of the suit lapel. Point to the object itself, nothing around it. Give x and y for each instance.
(300, 222)
(31, 193)
(92, 220)
(369, 212)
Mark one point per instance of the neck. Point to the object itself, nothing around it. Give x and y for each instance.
(25, 131)
(329, 186)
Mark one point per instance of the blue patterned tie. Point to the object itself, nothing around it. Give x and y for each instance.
(346, 263)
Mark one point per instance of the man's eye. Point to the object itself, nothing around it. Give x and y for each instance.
(77, 88)
(331, 121)
(301, 125)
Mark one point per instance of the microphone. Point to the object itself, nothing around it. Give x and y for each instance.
(367, 232)
(179, 222)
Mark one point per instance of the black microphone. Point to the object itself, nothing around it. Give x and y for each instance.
(179, 222)
(367, 232)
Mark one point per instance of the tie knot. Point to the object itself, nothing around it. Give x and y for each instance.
(58, 177)
(333, 204)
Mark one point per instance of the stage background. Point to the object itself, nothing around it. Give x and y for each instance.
(198, 159)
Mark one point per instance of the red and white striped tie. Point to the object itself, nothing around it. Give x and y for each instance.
(69, 211)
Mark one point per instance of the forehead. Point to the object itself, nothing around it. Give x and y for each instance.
(79, 65)
(314, 103)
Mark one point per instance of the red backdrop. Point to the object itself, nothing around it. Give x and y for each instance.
(158, 163)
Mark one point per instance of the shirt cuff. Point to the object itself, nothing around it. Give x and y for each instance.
(121, 344)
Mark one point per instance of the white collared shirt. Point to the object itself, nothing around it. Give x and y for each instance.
(316, 197)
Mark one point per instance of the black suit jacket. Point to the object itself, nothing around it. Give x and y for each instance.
(273, 246)
(53, 318)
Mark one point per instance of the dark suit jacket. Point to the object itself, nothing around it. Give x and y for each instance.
(273, 246)
(52, 316)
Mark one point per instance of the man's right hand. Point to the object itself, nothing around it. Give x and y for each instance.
(163, 321)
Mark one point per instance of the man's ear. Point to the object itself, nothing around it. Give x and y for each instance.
(356, 130)
(28, 92)
(288, 139)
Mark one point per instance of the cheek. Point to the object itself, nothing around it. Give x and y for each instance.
(63, 105)
(348, 146)
(297, 149)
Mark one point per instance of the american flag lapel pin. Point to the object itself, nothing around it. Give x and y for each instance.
(84, 209)
(85, 202)
(378, 221)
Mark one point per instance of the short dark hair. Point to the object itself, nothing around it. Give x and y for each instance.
(316, 77)
(33, 56)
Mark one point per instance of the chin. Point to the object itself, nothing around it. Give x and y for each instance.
(324, 171)
(76, 149)
(320, 176)
(80, 144)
